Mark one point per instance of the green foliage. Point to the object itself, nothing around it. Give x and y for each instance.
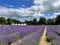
(2, 43)
(53, 43)
(2, 20)
(42, 20)
(48, 39)
(34, 22)
(9, 21)
(35, 42)
(50, 21)
(57, 19)
(16, 21)
(9, 43)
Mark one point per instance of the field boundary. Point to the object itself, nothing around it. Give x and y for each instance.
(43, 38)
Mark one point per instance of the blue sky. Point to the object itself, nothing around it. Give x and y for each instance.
(29, 9)
(16, 3)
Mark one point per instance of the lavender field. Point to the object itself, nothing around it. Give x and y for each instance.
(9, 34)
(29, 35)
(53, 34)
(29, 22)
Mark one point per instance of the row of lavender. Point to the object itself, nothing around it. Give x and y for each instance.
(31, 39)
(53, 34)
(9, 34)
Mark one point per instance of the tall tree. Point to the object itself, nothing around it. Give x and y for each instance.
(2, 20)
(34, 21)
(15, 21)
(9, 21)
(57, 20)
(42, 20)
(50, 21)
(27, 22)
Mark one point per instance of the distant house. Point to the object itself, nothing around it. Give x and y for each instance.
(24, 24)
(18, 24)
(13, 24)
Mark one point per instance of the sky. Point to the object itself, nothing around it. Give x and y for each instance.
(29, 9)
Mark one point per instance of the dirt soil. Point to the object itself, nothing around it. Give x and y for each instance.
(43, 38)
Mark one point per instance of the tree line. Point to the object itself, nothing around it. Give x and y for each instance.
(8, 21)
(42, 21)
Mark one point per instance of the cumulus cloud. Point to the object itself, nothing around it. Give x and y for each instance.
(55, 14)
(11, 12)
(37, 10)
(21, 12)
(49, 5)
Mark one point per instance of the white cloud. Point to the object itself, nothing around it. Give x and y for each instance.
(36, 10)
(54, 15)
(57, 4)
(57, 13)
(21, 12)
(49, 5)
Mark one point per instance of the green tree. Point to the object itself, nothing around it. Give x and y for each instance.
(50, 21)
(42, 20)
(34, 21)
(57, 20)
(2, 20)
(9, 21)
(28, 22)
(15, 21)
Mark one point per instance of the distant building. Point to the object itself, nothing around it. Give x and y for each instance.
(18, 24)
(24, 24)
(13, 24)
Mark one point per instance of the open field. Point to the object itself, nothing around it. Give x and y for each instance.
(30, 35)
